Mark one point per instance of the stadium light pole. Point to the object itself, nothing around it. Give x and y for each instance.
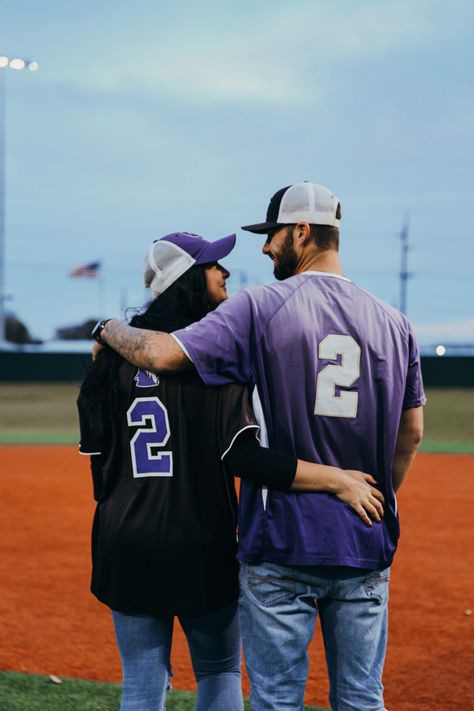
(16, 64)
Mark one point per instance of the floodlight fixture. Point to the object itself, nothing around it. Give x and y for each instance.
(18, 63)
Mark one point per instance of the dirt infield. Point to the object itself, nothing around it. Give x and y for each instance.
(50, 624)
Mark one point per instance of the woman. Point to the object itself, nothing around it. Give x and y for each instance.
(163, 540)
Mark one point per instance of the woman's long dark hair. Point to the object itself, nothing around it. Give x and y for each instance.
(183, 303)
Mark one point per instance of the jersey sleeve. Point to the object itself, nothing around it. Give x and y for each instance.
(239, 446)
(414, 391)
(234, 417)
(260, 465)
(91, 426)
(221, 344)
(93, 441)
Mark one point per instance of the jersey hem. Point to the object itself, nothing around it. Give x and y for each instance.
(171, 608)
(306, 560)
(419, 402)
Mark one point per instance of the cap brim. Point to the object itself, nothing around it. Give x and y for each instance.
(217, 250)
(262, 228)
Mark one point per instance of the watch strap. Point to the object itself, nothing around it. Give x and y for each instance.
(97, 330)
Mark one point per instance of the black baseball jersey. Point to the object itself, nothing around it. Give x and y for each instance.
(164, 530)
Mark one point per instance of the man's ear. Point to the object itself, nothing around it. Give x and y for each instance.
(302, 232)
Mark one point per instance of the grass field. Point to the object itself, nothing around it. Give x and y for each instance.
(449, 421)
(46, 412)
(31, 692)
(38, 412)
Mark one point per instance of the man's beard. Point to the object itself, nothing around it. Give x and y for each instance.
(286, 262)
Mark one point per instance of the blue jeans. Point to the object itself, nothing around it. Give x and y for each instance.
(279, 606)
(214, 643)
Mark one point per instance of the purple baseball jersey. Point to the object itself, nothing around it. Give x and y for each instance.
(334, 367)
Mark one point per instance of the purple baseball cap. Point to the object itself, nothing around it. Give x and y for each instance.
(172, 255)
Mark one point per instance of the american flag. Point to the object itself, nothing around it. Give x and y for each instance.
(86, 270)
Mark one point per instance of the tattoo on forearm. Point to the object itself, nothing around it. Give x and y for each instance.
(133, 345)
(141, 347)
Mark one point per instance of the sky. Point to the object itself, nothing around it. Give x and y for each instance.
(146, 118)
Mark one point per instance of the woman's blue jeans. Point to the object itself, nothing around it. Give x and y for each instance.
(214, 643)
(279, 605)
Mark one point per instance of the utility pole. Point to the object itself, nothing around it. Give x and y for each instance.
(404, 273)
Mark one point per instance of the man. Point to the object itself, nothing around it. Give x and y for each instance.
(339, 381)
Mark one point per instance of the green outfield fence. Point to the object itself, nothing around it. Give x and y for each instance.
(19, 366)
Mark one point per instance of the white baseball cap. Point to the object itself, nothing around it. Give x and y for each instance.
(302, 202)
(172, 255)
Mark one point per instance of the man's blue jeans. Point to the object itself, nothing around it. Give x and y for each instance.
(214, 643)
(279, 605)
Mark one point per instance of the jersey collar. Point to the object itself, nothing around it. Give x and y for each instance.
(328, 274)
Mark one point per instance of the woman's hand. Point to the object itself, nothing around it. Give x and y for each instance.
(359, 491)
(96, 349)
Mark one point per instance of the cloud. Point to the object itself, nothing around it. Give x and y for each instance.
(370, 27)
(223, 78)
(268, 52)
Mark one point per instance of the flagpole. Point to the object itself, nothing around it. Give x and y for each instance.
(101, 284)
(123, 302)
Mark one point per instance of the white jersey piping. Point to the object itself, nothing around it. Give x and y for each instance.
(247, 427)
(260, 417)
(181, 346)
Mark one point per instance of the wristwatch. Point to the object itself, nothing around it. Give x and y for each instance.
(97, 330)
